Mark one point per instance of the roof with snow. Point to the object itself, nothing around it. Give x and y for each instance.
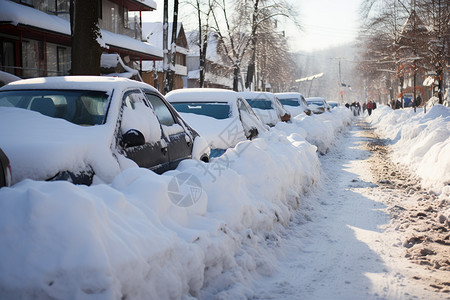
(21, 15)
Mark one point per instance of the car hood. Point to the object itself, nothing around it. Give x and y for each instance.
(39, 147)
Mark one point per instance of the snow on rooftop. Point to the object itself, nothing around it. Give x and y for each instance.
(16, 14)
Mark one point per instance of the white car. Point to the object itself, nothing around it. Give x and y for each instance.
(87, 129)
(221, 116)
(294, 102)
(267, 107)
(318, 105)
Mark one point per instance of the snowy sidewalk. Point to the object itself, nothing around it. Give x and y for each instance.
(342, 244)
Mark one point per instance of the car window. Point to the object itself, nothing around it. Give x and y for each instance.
(290, 102)
(163, 113)
(217, 110)
(243, 106)
(78, 107)
(138, 115)
(260, 103)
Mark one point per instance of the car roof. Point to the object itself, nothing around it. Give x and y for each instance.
(257, 95)
(95, 83)
(315, 99)
(202, 95)
(288, 95)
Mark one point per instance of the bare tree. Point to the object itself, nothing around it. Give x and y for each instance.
(408, 38)
(203, 9)
(241, 30)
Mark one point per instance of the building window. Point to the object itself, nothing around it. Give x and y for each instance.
(110, 14)
(125, 18)
(7, 61)
(63, 60)
(32, 58)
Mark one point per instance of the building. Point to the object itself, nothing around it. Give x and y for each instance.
(218, 73)
(35, 37)
(153, 71)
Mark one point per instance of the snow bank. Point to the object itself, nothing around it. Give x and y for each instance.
(192, 232)
(420, 141)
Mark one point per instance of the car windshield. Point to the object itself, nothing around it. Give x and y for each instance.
(318, 103)
(260, 103)
(78, 107)
(217, 110)
(290, 102)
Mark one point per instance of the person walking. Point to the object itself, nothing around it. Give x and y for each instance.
(369, 107)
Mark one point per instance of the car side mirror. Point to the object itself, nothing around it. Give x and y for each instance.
(253, 132)
(132, 138)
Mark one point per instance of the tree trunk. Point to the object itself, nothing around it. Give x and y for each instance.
(86, 51)
(165, 46)
(173, 47)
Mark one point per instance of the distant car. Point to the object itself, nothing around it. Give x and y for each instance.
(5, 170)
(333, 104)
(6, 78)
(318, 105)
(293, 102)
(84, 128)
(267, 107)
(221, 116)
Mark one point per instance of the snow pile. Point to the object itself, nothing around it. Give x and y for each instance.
(195, 231)
(420, 141)
(322, 129)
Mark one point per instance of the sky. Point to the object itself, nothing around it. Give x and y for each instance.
(325, 23)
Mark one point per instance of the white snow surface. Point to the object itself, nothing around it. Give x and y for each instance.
(421, 140)
(129, 239)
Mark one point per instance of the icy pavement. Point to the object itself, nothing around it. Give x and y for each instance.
(355, 237)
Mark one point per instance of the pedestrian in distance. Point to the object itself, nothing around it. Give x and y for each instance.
(369, 107)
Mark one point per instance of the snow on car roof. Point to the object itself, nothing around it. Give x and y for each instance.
(315, 99)
(102, 83)
(288, 95)
(257, 95)
(202, 95)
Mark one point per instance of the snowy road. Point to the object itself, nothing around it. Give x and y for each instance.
(343, 244)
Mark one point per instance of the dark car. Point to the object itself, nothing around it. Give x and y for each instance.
(5, 170)
(77, 127)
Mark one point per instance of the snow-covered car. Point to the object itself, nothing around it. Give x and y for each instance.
(221, 116)
(333, 104)
(318, 105)
(294, 102)
(267, 107)
(87, 129)
(5, 170)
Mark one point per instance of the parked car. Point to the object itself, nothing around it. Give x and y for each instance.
(221, 116)
(318, 105)
(294, 102)
(333, 104)
(84, 128)
(267, 107)
(5, 170)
